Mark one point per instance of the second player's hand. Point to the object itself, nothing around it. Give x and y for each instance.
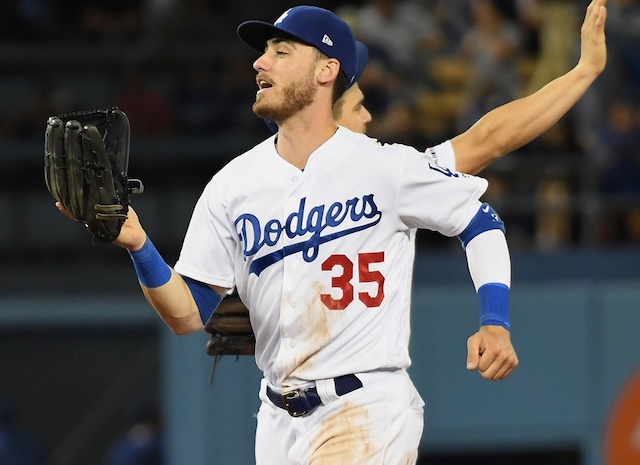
(593, 50)
(131, 237)
(490, 352)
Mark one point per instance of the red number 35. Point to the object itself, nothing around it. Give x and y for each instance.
(343, 281)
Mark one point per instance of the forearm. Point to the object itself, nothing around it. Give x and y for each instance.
(165, 290)
(490, 268)
(488, 259)
(517, 123)
(175, 304)
(489, 265)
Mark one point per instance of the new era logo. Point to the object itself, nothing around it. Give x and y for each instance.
(327, 40)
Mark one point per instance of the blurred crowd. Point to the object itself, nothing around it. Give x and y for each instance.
(17, 445)
(436, 66)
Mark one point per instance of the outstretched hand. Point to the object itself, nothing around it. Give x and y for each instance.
(131, 237)
(593, 48)
(490, 352)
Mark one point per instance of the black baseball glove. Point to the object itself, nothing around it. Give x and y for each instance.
(230, 329)
(86, 162)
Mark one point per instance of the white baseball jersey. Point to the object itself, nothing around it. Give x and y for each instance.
(323, 257)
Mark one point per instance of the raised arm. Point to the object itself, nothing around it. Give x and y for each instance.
(517, 123)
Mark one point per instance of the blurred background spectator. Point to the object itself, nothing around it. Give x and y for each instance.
(615, 159)
(17, 445)
(493, 48)
(141, 443)
(148, 107)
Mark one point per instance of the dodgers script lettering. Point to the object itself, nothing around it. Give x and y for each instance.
(322, 222)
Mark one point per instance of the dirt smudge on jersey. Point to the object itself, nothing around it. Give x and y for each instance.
(343, 437)
(319, 315)
(411, 459)
(318, 331)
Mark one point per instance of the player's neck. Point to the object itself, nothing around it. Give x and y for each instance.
(300, 136)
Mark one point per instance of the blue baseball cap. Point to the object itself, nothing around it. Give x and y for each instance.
(363, 58)
(362, 53)
(310, 25)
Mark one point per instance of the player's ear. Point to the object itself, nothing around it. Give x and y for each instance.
(329, 70)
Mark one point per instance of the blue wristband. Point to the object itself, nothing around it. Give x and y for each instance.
(494, 304)
(150, 267)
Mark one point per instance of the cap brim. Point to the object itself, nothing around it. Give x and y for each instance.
(256, 33)
(363, 58)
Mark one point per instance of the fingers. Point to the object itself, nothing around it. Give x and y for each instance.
(55, 160)
(589, 13)
(497, 363)
(602, 14)
(473, 352)
(64, 211)
(596, 14)
(490, 352)
(73, 149)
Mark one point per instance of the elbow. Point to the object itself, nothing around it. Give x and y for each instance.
(503, 145)
(479, 147)
(185, 327)
(182, 331)
(185, 331)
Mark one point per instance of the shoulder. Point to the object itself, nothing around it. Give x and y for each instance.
(259, 153)
(443, 155)
(239, 168)
(365, 144)
(259, 150)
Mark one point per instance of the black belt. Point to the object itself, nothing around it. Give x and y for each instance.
(300, 402)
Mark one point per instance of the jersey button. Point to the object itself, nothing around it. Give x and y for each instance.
(294, 179)
(293, 304)
(292, 344)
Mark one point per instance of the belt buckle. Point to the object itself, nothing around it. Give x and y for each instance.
(289, 395)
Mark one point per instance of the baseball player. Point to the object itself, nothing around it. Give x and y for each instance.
(313, 226)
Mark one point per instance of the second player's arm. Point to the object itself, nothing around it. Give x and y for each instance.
(517, 123)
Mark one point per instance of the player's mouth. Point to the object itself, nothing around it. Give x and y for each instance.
(263, 84)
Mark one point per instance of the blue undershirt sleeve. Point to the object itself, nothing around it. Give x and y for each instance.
(206, 298)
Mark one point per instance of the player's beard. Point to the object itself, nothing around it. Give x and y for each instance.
(294, 98)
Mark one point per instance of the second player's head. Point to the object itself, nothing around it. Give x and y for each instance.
(305, 51)
(349, 110)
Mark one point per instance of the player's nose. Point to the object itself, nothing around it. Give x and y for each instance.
(261, 63)
(366, 115)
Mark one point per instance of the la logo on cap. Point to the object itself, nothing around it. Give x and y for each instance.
(327, 40)
(282, 16)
